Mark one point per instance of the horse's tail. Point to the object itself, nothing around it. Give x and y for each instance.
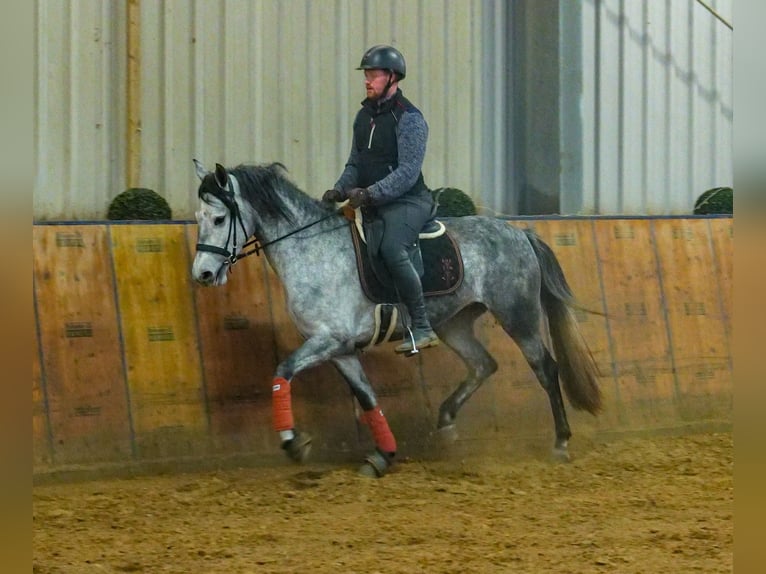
(577, 368)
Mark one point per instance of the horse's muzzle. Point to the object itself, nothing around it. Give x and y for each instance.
(204, 274)
(206, 278)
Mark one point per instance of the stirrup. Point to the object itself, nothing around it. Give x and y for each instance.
(411, 347)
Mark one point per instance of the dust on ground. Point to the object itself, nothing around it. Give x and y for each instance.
(632, 505)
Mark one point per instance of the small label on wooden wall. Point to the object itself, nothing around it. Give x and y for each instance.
(565, 239)
(623, 232)
(236, 323)
(635, 309)
(69, 239)
(87, 411)
(78, 329)
(149, 245)
(694, 308)
(161, 333)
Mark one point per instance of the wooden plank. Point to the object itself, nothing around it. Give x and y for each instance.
(722, 233)
(77, 318)
(161, 348)
(573, 242)
(41, 447)
(696, 322)
(636, 321)
(237, 343)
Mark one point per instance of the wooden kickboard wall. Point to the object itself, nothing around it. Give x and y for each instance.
(83, 384)
(136, 362)
(157, 320)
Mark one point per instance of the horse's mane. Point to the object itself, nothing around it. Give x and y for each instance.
(260, 185)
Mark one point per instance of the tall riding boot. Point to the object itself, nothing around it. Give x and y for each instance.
(394, 252)
(422, 333)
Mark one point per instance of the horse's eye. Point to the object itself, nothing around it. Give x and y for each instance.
(219, 220)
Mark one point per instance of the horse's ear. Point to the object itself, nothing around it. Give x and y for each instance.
(220, 176)
(201, 171)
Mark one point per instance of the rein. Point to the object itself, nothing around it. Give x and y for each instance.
(258, 247)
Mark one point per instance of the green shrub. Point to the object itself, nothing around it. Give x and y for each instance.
(453, 202)
(139, 203)
(716, 200)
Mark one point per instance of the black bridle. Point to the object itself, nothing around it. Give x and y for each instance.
(227, 197)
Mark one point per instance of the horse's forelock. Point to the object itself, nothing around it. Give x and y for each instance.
(209, 189)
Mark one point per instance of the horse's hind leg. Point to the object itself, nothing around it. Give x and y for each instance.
(457, 333)
(523, 329)
(377, 463)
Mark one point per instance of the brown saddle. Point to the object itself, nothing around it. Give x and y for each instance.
(441, 263)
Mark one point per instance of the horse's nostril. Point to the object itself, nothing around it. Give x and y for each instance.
(206, 276)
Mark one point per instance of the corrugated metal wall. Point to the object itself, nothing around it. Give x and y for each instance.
(79, 107)
(657, 105)
(240, 81)
(644, 122)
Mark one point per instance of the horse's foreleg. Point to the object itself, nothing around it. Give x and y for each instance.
(377, 463)
(314, 351)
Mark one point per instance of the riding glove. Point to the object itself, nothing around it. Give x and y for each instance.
(332, 196)
(358, 196)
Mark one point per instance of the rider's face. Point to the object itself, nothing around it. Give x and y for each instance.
(375, 82)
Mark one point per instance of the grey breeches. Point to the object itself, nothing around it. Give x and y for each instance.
(403, 219)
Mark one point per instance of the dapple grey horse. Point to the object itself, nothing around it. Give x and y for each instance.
(509, 272)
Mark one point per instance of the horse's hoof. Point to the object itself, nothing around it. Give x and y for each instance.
(368, 471)
(561, 454)
(376, 465)
(299, 447)
(447, 434)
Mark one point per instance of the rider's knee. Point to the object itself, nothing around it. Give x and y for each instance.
(393, 253)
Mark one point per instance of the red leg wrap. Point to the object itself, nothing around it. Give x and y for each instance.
(282, 405)
(384, 438)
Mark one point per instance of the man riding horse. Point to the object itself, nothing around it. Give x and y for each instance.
(383, 176)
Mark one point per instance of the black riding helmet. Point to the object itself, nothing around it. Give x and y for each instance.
(384, 57)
